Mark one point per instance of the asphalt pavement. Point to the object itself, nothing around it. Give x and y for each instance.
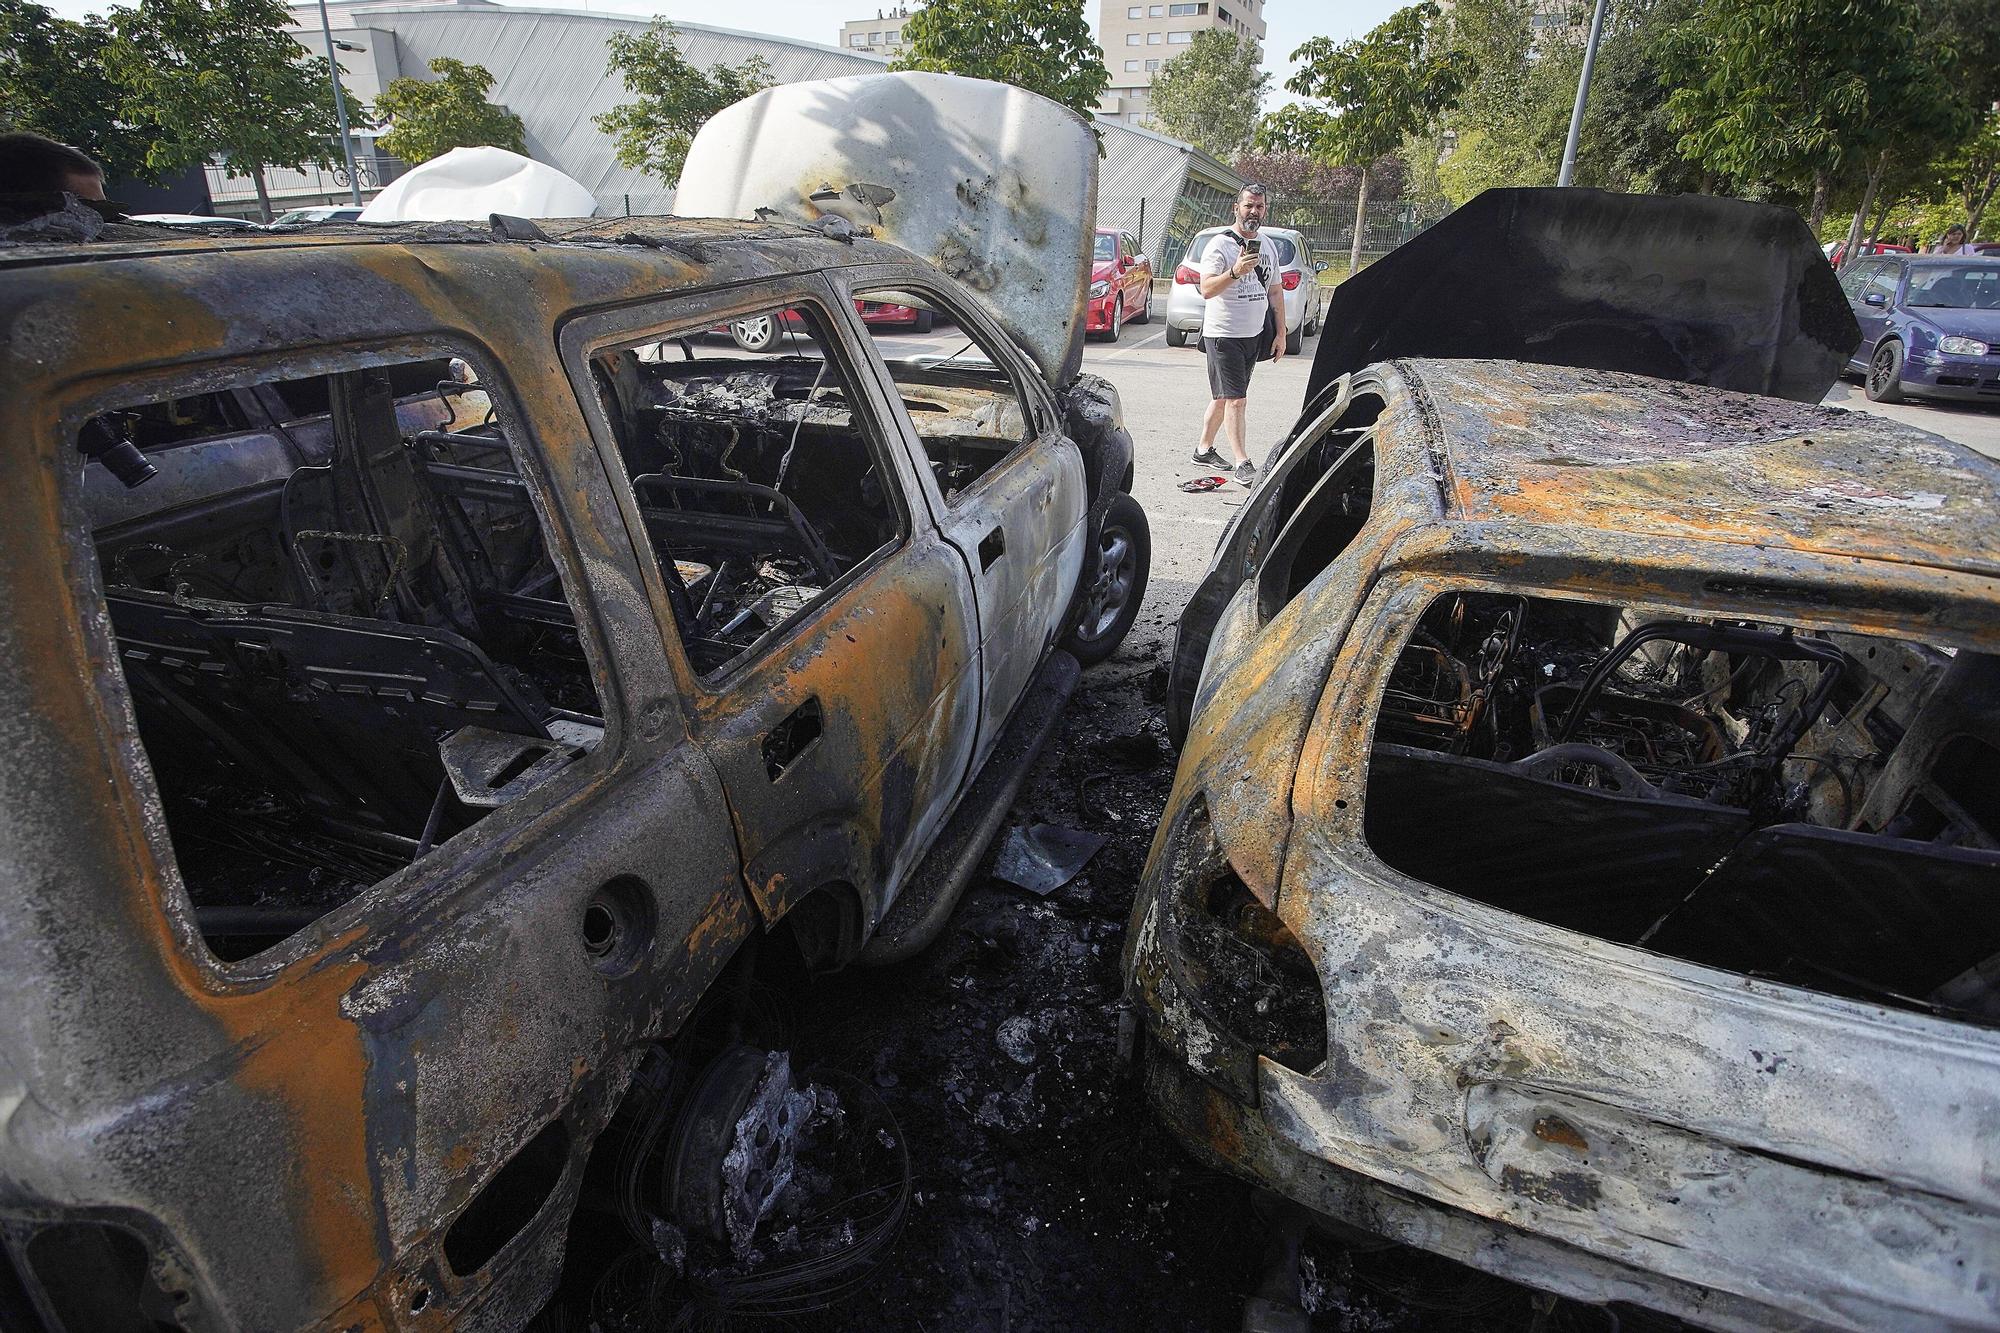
(1971, 424)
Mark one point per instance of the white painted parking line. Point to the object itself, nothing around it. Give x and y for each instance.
(1139, 346)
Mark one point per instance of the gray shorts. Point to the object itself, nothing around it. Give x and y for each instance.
(1230, 361)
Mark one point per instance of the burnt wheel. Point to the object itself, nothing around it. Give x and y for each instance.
(1118, 582)
(1885, 373)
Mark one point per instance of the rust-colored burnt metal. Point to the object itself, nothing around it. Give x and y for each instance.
(382, 1120)
(1726, 1105)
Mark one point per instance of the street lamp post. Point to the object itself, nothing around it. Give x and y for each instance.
(341, 105)
(1582, 93)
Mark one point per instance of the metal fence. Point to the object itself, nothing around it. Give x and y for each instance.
(1327, 224)
(635, 205)
(290, 188)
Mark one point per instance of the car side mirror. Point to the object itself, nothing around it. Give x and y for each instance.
(1124, 261)
(1874, 298)
(1319, 266)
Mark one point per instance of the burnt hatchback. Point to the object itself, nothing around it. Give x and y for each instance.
(1584, 860)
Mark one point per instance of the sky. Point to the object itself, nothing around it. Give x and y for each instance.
(1289, 22)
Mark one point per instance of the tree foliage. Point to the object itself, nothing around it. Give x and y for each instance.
(674, 99)
(1629, 139)
(1209, 94)
(1380, 87)
(222, 77)
(1371, 95)
(53, 81)
(1043, 46)
(429, 117)
(1296, 177)
(1798, 92)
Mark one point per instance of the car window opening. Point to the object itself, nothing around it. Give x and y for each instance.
(965, 409)
(759, 486)
(1335, 498)
(1815, 809)
(344, 638)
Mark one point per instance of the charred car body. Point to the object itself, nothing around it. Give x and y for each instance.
(428, 663)
(1584, 861)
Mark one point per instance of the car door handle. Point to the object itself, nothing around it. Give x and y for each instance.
(789, 739)
(991, 547)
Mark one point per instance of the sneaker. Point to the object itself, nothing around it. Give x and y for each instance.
(1207, 457)
(1246, 472)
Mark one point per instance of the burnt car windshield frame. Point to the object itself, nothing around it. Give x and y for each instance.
(584, 336)
(333, 931)
(1037, 404)
(1330, 800)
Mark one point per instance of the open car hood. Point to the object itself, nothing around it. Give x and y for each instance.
(994, 185)
(1692, 288)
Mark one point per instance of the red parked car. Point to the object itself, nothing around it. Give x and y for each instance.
(1121, 285)
(1838, 255)
(759, 332)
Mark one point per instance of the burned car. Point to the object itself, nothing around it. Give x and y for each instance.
(428, 662)
(1584, 860)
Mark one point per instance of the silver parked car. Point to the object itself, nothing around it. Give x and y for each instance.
(1304, 298)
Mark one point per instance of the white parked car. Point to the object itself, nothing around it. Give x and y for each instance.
(193, 220)
(319, 213)
(1304, 298)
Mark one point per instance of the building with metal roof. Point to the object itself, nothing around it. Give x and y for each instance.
(550, 69)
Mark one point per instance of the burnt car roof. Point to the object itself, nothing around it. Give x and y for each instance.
(126, 240)
(69, 312)
(1519, 442)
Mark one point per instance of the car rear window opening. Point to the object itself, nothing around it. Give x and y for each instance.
(344, 636)
(1817, 809)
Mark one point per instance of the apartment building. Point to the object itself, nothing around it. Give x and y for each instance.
(1138, 39)
(879, 36)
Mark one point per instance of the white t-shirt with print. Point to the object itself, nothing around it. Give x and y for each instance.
(1237, 311)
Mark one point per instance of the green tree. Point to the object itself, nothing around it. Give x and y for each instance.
(1629, 140)
(1043, 46)
(1798, 93)
(1973, 172)
(53, 81)
(428, 118)
(1377, 90)
(1209, 93)
(675, 98)
(223, 77)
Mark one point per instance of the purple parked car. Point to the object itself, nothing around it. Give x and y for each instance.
(1930, 326)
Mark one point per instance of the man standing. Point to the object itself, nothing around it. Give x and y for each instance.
(1239, 283)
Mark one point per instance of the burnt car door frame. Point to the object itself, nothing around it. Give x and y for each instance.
(882, 663)
(334, 1096)
(1007, 526)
